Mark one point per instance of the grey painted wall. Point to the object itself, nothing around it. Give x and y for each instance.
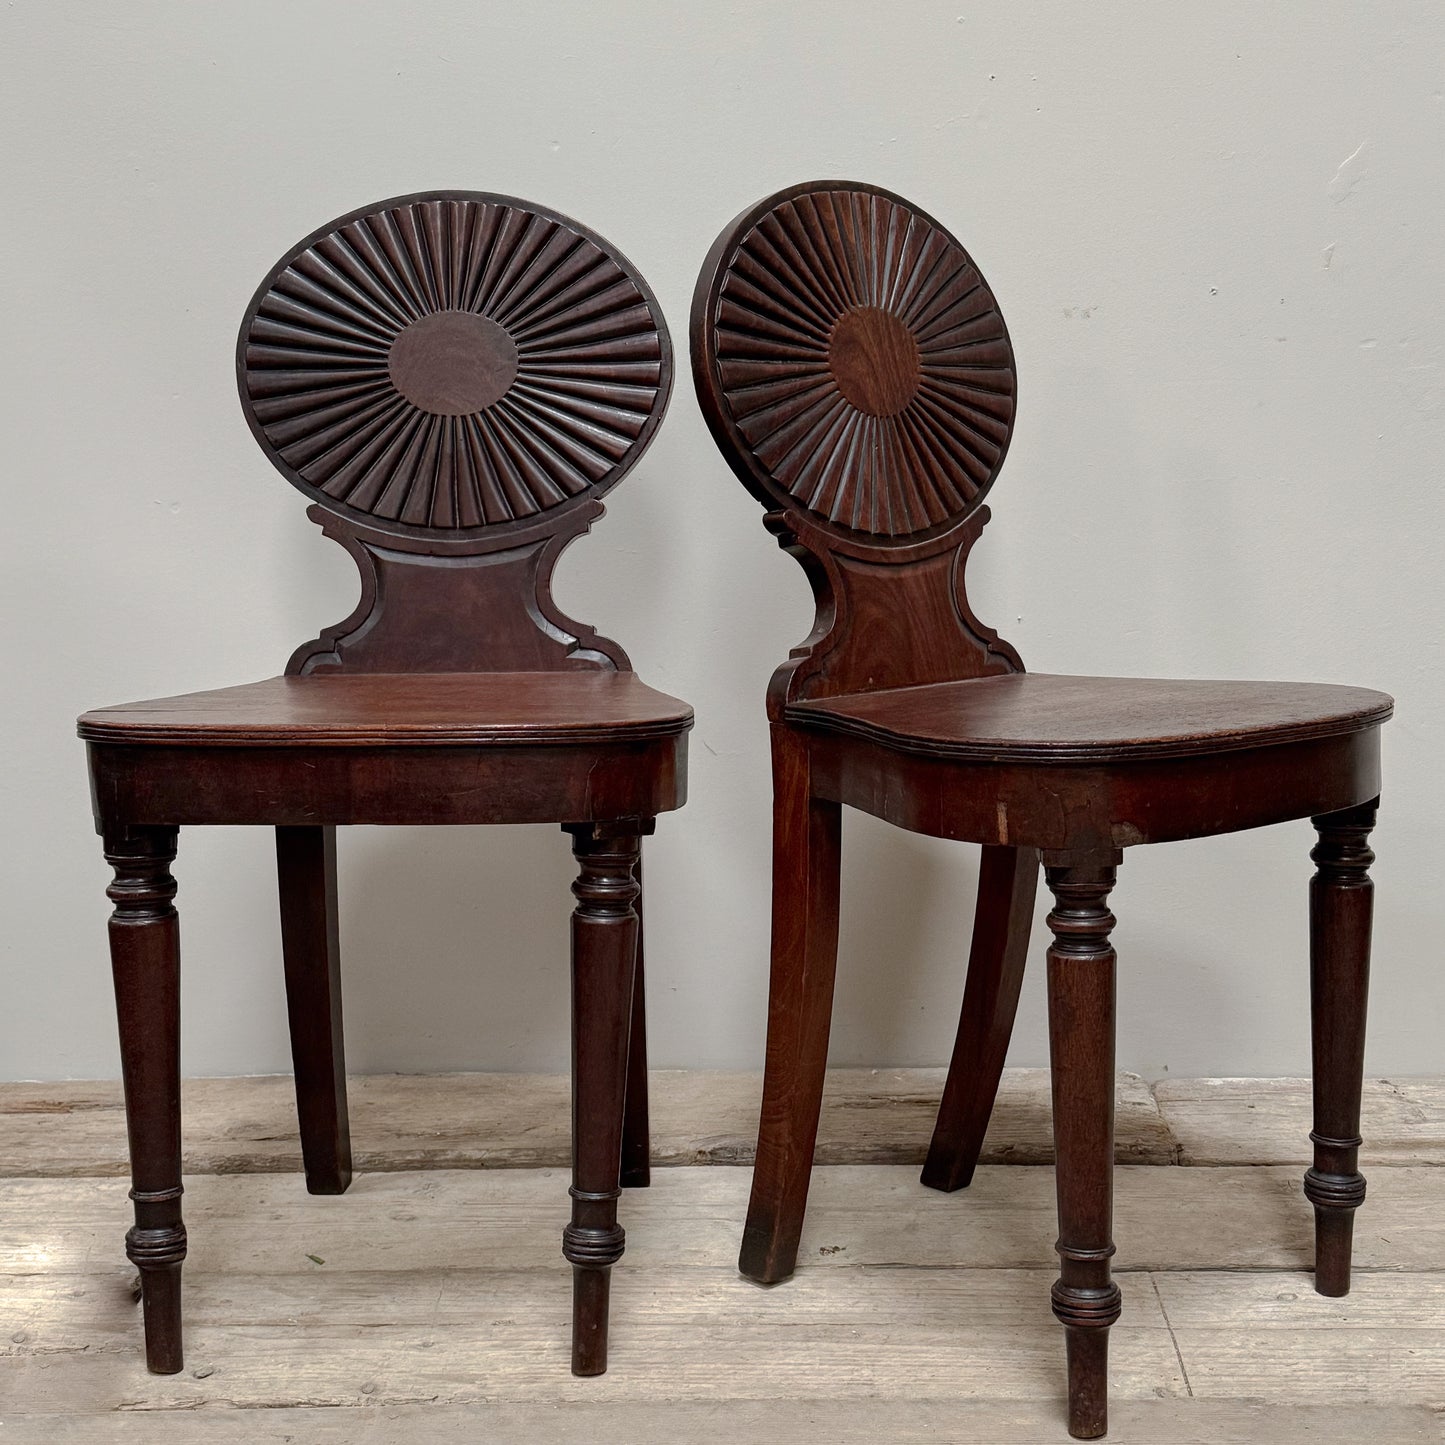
(1216, 234)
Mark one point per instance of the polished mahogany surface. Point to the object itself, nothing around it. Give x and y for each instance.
(853, 366)
(1043, 717)
(856, 367)
(455, 379)
(452, 364)
(374, 709)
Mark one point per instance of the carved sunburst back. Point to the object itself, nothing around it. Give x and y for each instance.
(855, 371)
(447, 363)
(454, 375)
(856, 363)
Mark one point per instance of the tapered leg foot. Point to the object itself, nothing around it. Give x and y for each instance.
(1341, 911)
(1334, 1236)
(800, 1005)
(591, 1301)
(636, 1133)
(311, 949)
(160, 1295)
(1087, 1351)
(1007, 884)
(604, 957)
(1081, 1044)
(145, 963)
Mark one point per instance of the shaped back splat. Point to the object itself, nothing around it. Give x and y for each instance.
(855, 371)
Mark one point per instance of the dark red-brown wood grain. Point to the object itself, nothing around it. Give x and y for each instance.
(455, 380)
(854, 369)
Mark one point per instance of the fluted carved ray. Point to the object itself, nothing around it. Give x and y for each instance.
(576, 365)
(864, 362)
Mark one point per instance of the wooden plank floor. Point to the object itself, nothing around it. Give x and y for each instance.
(870, 1116)
(431, 1303)
(468, 1121)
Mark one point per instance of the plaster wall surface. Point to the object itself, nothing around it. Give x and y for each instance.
(1215, 232)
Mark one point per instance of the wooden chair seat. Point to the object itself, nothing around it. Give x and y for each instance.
(855, 371)
(458, 709)
(1065, 764)
(1047, 718)
(343, 748)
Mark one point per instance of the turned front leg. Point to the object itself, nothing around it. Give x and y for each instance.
(1081, 1044)
(604, 952)
(145, 961)
(1341, 909)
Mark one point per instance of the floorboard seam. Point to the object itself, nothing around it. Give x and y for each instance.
(1173, 1338)
(1176, 1144)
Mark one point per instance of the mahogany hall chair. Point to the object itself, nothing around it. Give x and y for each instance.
(455, 380)
(856, 374)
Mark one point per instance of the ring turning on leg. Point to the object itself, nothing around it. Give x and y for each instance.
(145, 963)
(1081, 1043)
(1341, 908)
(604, 955)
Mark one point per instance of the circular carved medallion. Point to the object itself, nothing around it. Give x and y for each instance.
(874, 359)
(451, 362)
